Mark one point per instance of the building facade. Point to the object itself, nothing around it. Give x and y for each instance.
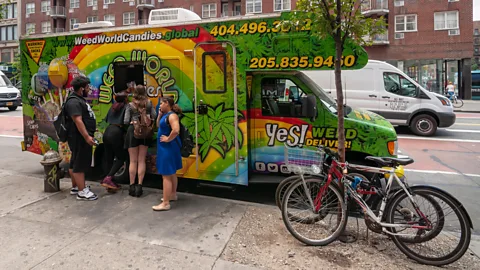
(54, 16)
(476, 42)
(8, 35)
(430, 40)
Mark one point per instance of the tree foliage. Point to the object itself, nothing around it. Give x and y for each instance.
(341, 20)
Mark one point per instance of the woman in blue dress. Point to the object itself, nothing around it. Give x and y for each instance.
(169, 158)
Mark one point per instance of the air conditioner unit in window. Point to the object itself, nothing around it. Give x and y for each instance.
(27, 15)
(453, 0)
(399, 35)
(454, 32)
(105, 6)
(94, 7)
(398, 3)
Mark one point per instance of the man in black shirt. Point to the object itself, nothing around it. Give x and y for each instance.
(80, 139)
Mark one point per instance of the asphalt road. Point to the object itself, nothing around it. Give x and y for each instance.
(449, 160)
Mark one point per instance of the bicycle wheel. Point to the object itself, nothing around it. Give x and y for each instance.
(282, 187)
(454, 220)
(297, 208)
(458, 103)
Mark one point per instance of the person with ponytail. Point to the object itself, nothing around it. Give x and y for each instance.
(137, 148)
(169, 159)
(113, 140)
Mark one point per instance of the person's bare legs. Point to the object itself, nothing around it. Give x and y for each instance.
(142, 155)
(167, 191)
(72, 177)
(132, 170)
(79, 180)
(174, 186)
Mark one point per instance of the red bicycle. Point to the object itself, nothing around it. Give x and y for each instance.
(314, 209)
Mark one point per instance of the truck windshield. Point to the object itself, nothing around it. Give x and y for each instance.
(4, 81)
(326, 100)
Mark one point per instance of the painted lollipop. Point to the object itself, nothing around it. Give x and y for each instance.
(58, 76)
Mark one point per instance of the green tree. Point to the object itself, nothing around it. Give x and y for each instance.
(474, 66)
(342, 20)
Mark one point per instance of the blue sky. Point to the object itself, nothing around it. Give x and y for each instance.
(476, 10)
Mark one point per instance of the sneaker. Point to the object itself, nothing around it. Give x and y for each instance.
(74, 190)
(86, 195)
(108, 183)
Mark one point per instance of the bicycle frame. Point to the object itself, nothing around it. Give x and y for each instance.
(339, 170)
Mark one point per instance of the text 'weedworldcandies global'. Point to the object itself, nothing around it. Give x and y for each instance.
(146, 36)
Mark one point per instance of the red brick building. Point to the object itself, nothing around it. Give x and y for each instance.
(476, 41)
(50, 16)
(430, 40)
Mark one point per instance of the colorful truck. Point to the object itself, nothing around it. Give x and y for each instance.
(230, 76)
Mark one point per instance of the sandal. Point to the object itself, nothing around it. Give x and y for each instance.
(161, 207)
(172, 200)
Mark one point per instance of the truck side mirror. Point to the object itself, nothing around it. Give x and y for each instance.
(309, 107)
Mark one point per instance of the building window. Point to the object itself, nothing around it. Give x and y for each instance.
(9, 11)
(209, 10)
(254, 6)
(30, 28)
(406, 23)
(280, 5)
(446, 20)
(6, 56)
(30, 8)
(107, 2)
(476, 32)
(92, 19)
(91, 3)
(129, 18)
(46, 27)
(109, 18)
(192, 8)
(237, 9)
(45, 6)
(74, 3)
(8, 33)
(73, 22)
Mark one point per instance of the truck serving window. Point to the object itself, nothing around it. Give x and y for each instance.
(212, 81)
(126, 72)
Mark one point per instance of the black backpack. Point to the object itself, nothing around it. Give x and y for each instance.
(62, 122)
(186, 138)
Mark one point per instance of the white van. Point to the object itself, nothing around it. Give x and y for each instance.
(10, 96)
(384, 89)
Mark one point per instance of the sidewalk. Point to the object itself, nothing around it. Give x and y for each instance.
(469, 106)
(55, 231)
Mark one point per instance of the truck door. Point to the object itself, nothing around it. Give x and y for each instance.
(278, 117)
(218, 136)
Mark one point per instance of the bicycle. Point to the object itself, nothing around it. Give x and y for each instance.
(456, 102)
(424, 229)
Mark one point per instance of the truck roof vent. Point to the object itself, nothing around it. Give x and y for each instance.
(92, 25)
(170, 15)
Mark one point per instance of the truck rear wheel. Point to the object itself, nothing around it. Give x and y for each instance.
(423, 125)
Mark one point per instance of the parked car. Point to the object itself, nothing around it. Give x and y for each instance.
(10, 96)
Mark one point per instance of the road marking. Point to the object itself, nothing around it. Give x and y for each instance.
(463, 130)
(466, 124)
(11, 136)
(18, 116)
(437, 139)
(442, 172)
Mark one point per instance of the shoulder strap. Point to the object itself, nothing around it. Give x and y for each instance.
(166, 118)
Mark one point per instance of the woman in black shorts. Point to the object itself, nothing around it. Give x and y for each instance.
(137, 148)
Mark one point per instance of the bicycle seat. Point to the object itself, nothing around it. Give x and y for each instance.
(391, 162)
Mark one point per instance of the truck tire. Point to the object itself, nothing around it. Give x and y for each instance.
(423, 125)
(12, 108)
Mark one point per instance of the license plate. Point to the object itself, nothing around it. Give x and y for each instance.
(9, 103)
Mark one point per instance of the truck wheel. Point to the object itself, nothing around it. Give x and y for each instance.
(12, 108)
(423, 125)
